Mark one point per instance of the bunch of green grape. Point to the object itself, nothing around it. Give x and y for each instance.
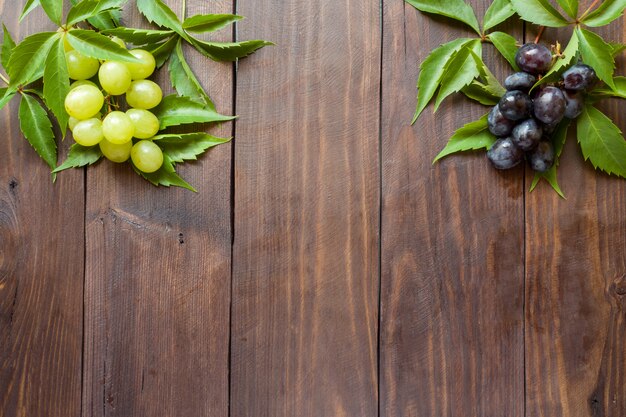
(120, 135)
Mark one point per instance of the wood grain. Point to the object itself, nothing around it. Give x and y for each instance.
(41, 268)
(451, 338)
(305, 286)
(158, 276)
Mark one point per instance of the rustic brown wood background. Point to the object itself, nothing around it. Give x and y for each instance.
(325, 268)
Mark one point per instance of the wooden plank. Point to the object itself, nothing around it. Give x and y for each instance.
(305, 289)
(158, 276)
(576, 284)
(41, 269)
(451, 338)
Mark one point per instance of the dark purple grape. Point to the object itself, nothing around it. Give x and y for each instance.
(533, 58)
(515, 105)
(522, 81)
(499, 125)
(549, 129)
(504, 154)
(527, 135)
(579, 77)
(574, 103)
(542, 158)
(549, 105)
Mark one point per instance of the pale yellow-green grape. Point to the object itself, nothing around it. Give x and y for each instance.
(114, 77)
(139, 71)
(117, 127)
(144, 94)
(116, 152)
(146, 123)
(88, 132)
(84, 102)
(82, 82)
(147, 156)
(72, 122)
(118, 41)
(79, 66)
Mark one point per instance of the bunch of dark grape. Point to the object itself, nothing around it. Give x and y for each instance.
(523, 121)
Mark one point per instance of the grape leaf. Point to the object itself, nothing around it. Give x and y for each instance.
(163, 50)
(454, 9)
(95, 45)
(608, 11)
(498, 12)
(506, 45)
(597, 54)
(29, 56)
(460, 71)
(90, 8)
(184, 80)
(5, 96)
(479, 92)
(617, 48)
(158, 12)
(558, 139)
(7, 47)
(209, 22)
(431, 72)
(539, 12)
(492, 85)
(187, 147)
(570, 7)
(54, 9)
(79, 156)
(601, 141)
(37, 128)
(567, 58)
(166, 176)
(175, 110)
(472, 136)
(228, 51)
(104, 20)
(139, 36)
(618, 91)
(29, 7)
(56, 84)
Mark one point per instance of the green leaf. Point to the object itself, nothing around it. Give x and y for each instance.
(184, 80)
(175, 110)
(567, 58)
(28, 57)
(90, 8)
(7, 47)
(597, 54)
(472, 136)
(492, 85)
(37, 128)
(506, 45)
(228, 51)
(166, 176)
(498, 12)
(431, 72)
(619, 89)
(106, 20)
(608, 11)
(163, 50)
(157, 12)
(54, 9)
(187, 147)
(570, 7)
(602, 142)
(29, 7)
(139, 36)
(56, 84)
(209, 22)
(95, 45)
(5, 96)
(539, 12)
(617, 48)
(460, 71)
(79, 156)
(479, 92)
(454, 9)
(558, 139)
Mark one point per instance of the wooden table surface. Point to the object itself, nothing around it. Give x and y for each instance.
(325, 267)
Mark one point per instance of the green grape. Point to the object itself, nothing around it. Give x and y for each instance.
(72, 122)
(82, 82)
(118, 128)
(144, 94)
(146, 123)
(79, 66)
(88, 132)
(116, 152)
(84, 102)
(142, 70)
(147, 156)
(114, 77)
(118, 41)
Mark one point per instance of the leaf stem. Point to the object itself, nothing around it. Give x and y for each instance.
(588, 10)
(184, 9)
(3, 78)
(538, 37)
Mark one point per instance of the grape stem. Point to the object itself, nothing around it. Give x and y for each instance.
(588, 10)
(184, 9)
(538, 37)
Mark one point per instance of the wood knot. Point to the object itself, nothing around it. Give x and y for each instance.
(618, 290)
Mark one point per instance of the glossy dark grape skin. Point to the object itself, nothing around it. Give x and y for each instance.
(504, 154)
(534, 58)
(579, 77)
(515, 105)
(549, 129)
(522, 81)
(499, 125)
(527, 135)
(541, 158)
(549, 105)
(574, 103)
